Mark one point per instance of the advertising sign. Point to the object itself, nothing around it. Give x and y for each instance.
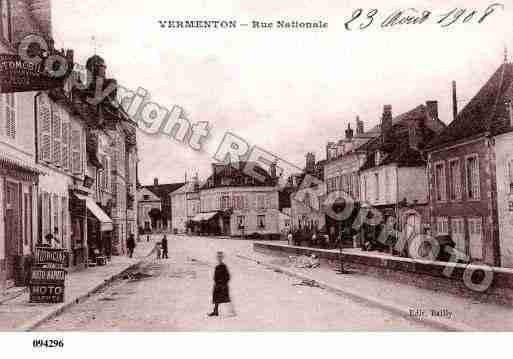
(47, 279)
(17, 75)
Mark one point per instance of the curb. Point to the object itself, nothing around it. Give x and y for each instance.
(36, 322)
(442, 324)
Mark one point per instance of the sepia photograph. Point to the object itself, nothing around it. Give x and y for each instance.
(312, 167)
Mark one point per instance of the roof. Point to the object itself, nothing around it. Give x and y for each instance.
(236, 176)
(163, 190)
(486, 112)
(188, 187)
(403, 156)
(417, 112)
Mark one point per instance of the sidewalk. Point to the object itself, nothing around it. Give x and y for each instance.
(467, 314)
(18, 314)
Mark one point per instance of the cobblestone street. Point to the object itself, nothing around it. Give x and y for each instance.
(175, 294)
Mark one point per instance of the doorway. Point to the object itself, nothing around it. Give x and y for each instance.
(13, 244)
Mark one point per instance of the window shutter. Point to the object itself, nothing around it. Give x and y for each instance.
(76, 158)
(45, 126)
(65, 145)
(475, 178)
(10, 115)
(56, 136)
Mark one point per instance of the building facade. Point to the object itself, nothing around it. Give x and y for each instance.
(463, 183)
(236, 203)
(163, 191)
(146, 202)
(504, 178)
(18, 170)
(393, 178)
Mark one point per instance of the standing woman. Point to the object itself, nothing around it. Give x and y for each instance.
(221, 293)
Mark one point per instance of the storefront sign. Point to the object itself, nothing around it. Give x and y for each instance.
(48, 276)
(17, 75)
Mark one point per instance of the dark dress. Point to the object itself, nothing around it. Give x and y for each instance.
(221, 278)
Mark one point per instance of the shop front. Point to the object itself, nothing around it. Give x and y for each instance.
(18, 183)
(206, 223)
(95, 248)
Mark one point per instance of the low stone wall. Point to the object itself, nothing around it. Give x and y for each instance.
(420, 273)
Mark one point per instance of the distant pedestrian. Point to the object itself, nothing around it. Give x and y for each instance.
(158, 250)
(221, 292)
(130, 245)
(289, 238)
(164, 247)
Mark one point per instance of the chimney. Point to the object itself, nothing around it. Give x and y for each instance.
(454, 101)
(359, 126)
(386, 122)
(349, 132)
(156, 181)
(432, 109)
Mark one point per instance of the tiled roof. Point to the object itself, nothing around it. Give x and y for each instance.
(487, 111)
(236, 176)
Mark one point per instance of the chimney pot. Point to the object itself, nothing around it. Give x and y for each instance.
(155, 181)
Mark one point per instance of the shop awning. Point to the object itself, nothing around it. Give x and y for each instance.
(204, 216)
(105, 221)
(20, 165)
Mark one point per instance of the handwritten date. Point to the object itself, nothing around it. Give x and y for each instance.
(362, 19)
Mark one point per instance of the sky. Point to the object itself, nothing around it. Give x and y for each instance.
(287, 91)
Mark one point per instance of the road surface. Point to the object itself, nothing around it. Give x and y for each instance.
(175, 295)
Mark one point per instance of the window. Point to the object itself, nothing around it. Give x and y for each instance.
(8, 115)
(65, 145)
(458, 233)
(442, 226)
(510, 176)
(76, 154)
(56, 226)
(440, 183)
(376, 183)
(475, 230)
(388, 193)
(44, 114)
(146, 197)
(454, 180)
(261, 221)
(225, 202)
(260, 201)
(241, 221)
(472, 177)
(5, 20)
(56, 136)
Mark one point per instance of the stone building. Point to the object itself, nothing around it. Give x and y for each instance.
(240, 199)
(164, 191)
(468, 174)
(18, 170)
(393, 178)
